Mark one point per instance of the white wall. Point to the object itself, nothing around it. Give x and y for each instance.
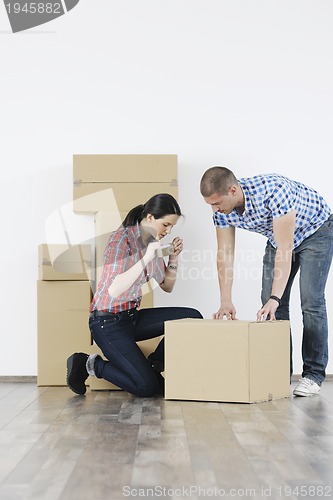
(246, 84)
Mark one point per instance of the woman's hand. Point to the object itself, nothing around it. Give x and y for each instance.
(177, 244)
(150, 252)
(171, 270)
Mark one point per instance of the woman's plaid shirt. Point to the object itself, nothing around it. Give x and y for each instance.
(124, 249)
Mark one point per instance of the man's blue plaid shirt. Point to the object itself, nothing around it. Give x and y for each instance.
(270, 196)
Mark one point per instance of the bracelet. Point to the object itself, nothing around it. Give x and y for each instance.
(274, 297)
(171, 266)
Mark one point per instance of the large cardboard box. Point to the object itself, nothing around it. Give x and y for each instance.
(227, 361)
(120, 182)
(63, 313)
(93, 168)
(60, 262)
(99, 384)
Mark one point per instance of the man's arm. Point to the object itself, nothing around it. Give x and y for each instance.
(283, 230)
(225, 268)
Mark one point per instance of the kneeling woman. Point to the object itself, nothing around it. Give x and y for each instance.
(132, 257)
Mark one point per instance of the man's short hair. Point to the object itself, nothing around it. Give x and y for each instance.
(217, 180)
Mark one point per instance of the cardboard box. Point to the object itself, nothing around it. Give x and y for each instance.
(89, 198)
(99, 384)
(120, 182)
(57, 262)
(227, 361)
(125, 168)
(63, 314)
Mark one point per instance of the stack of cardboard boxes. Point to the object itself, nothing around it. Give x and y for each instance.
(63, 299)
(105, 187)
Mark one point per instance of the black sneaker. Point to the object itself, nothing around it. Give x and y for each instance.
(77, 373)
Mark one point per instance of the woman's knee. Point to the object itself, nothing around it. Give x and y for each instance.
(190, 312)
(147, 389)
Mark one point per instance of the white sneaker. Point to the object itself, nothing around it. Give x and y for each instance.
(306, 387)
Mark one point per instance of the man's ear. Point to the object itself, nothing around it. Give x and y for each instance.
(232, 190)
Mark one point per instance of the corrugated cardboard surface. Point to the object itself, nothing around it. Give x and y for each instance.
(89, 198)
(124, 168)
(120, 182)
(64, 262)
(63, 313)
(230, 361)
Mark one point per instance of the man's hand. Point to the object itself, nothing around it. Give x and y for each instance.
(268, 310)
(226, 310)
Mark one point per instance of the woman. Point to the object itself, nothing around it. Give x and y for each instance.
(132, 257)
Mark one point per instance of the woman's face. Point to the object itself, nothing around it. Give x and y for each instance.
(159, 228)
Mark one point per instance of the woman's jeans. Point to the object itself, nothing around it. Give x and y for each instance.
(126, 365)
(313, 259)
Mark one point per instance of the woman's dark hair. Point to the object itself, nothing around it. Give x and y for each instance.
(158, 205)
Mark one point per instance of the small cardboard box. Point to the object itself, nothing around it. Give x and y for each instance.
(120, 182)
(227, 361)
(63, 315)
(58, 262)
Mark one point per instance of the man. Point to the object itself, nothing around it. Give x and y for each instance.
(298, 225)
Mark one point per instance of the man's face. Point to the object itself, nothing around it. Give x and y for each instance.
(221, 203)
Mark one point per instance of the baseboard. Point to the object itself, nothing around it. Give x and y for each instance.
(296, 377)
(19, 379)
(30, 379)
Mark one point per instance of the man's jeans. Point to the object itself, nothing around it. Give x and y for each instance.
(117, 335)
(313, 259)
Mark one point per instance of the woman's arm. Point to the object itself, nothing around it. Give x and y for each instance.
(125, 280)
